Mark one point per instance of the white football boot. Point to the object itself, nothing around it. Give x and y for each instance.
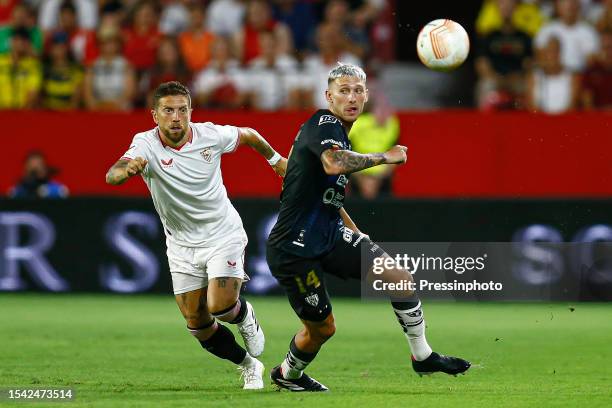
(253, 336)
(252, 374)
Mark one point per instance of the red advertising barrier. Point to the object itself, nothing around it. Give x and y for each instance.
(451, 154)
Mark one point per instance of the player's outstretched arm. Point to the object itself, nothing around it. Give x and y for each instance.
(252, 138)
(345, 161)
(124, 169)
(348, 221)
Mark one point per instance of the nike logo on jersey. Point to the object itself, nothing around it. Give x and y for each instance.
(231, 264)
(166, 163)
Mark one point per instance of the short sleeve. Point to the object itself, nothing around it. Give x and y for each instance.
(327, 134)
(228, 137)
(137, 149)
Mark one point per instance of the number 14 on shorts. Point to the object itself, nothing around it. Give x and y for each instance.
(312, 280)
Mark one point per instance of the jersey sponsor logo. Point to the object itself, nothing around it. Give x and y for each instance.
(207, 154)
(231, 264)
(327, 119)
(166, 163)
(332, 141)
(312, 299)
(333, 197)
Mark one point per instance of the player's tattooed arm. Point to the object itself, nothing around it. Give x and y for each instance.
(124, 169)
(345, 161)
(252, 138)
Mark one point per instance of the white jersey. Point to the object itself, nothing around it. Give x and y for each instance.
(186, 184)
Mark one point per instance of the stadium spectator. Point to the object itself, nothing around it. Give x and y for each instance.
(174, 18)
(195, 43)
(272, 77)
(258, 20)
(169, 66)
(142, 37)
(376, 130)
(37, 179)
(590, 9)
(81, 41)
(222, 84)
(604, 23)
(62, 87)
(20, 73)
(300, 18)
(85, 43)
(225, 17)
(21, 18)
(317, 67)
(503, 56)
(526, 17)
(355, 37)
(110, 81)
(579, 40)
(597, 80)
(552, 88)
(50, 10)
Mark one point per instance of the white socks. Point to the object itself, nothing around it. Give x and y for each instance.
(413, 324)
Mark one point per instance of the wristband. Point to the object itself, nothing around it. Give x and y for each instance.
(274, 159)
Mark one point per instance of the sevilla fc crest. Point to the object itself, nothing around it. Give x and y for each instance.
(207, 154)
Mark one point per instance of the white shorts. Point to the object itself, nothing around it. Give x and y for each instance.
(191, 268)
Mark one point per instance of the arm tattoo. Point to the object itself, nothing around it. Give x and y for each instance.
(117, 173)
(221, 282)
(257, 142)
(350, 162)
(235, 285)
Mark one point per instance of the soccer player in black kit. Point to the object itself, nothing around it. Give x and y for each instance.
(314, 234)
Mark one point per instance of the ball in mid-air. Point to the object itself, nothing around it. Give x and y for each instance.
(443, 45)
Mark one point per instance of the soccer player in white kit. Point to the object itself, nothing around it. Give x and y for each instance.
(180, 163)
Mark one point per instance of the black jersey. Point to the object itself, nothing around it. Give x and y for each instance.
(309, 223)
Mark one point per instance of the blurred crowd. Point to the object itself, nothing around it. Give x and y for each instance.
(109, 55)
(548, 56)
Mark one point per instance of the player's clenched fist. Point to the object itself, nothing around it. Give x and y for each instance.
(396, 155)
(136, 166)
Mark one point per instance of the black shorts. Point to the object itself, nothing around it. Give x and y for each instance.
(302, 278)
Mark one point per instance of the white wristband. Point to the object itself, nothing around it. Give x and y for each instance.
(274, 159)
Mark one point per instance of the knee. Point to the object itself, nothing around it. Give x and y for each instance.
(322, 333)
(395, 275)
(224, 310)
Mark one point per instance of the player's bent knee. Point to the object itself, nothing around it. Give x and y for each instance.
(322, 332)
(395, 276)
(224, 310)
(328, 330)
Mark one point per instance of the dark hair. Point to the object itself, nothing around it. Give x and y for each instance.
(67, 5)
(170, 89)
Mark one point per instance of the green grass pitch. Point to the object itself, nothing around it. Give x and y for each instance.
(135, 351)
